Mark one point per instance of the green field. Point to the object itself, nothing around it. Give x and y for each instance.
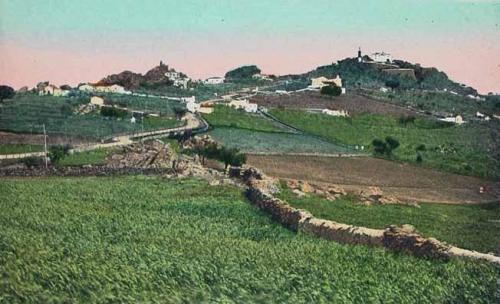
(266, 142)
(224, 116)
(147, 239)
(27, 114)
(473, 227)
(93, 157)
(462, 149)
(164, 107)
(19, 148)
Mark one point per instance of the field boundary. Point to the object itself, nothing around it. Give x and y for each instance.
(403, 239)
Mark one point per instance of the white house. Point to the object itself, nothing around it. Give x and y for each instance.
(97, 101)
(188, 99)
(214, 80)
(456, 120)
(181, 82)
(245, 105)
(53, 90)
(97, 88)
(384, 89)
(172, 75)
(319, 82)
(339, 113)
(381, 57)
(193, 107)
(261, 77)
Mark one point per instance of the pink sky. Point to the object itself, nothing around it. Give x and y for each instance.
(474, 61)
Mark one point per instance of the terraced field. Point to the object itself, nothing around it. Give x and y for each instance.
(26, 114)
(147, 239)
(275, 143)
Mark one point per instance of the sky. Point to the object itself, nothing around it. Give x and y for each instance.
(68, 42)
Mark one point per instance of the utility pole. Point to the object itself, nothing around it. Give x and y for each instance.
(45, 147)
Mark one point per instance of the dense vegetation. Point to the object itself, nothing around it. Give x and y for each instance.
(27, 113)
(241, 73)
(474, 227)
(465, 149)
(224, 116)
(147, 239)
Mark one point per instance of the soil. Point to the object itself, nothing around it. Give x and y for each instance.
(403, 181)
(353, 103)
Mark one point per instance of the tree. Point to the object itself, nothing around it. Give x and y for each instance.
(331, 90)
(386, 147)
(379, 146)
(392, 143)
(180, 112)
(56, 153)
(6, 92)
(244, 72)
(392, 83)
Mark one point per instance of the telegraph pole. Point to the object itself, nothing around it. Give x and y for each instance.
(45, 147)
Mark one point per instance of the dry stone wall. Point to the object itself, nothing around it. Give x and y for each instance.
(401, 239)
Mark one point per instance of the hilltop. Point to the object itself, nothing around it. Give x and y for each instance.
(157, 76)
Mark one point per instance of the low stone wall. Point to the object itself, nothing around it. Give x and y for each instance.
(80, 171)
(400, 239)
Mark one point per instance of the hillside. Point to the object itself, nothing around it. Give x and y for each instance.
(374, 75)
(131, 81)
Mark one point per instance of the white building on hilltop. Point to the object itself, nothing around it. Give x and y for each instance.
(214, 80)
(381, 57)
(456, 120)
(101, 88)
(319, 82)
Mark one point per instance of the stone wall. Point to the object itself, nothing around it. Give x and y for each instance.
(400, 239)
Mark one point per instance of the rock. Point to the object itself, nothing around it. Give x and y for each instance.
(298, 193)
(306, 188)
(336, 190)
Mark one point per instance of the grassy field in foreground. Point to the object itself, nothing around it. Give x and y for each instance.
(19, 148)
(147, 239)
(266, 142)
(462, 149)
(224, 116)
(475, 227)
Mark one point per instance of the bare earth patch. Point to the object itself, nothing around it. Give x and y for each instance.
(353, 103)
(404, 181)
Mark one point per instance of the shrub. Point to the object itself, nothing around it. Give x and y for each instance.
(419, 158)
(404, 120)
(113, 112)
(392, 143)
(379, 146)
(6, 92)
(33, 161)
(331, 90)
(56, 153)
(421, 147)
(386, 147)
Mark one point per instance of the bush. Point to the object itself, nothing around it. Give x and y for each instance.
(6, 92)
(386, 147)
(419, 158)
(421, 147)
(331, 90)
(33, 161)
(113, 112)
(56, 153)
(404, 120)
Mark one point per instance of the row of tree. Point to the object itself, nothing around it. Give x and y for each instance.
(229, 156)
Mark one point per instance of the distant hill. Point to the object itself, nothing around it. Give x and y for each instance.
(131, 81)
(375, 75)
(242, 73)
